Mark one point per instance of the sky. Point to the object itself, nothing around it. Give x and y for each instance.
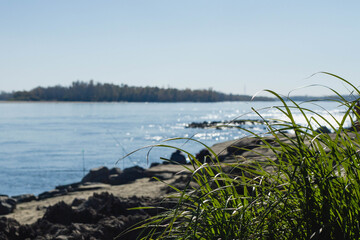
(232, 46)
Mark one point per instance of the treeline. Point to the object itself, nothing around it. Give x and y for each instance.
(91, 92)
(349, 97)
(5, 96)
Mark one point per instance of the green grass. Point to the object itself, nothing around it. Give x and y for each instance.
(314, 192)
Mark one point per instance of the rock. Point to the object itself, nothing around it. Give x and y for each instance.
(225, 124)
(24, 198)
(204, 156)
(258, 152)
(114, 175)
(243, 145)
(7, 205)
(178, 157)
(136, 172)
(154, 164)
(69, 187)
(100, 174)
(5, 208)
(60, 213)
(323, 129)
(198, 125)
(115, 179)
(76, 202)
(102, 216)
(9, 228)
(181, 183)
(90, 186)
(115, 171)
(110, 205)
(51, 193)
(128, 175)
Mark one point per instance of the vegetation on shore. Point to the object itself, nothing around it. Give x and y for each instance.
(91, 92)
(312, 192)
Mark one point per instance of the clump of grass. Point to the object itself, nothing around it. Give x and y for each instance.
(313, 191)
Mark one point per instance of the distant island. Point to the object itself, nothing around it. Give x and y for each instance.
(80, 91)
(98, 92)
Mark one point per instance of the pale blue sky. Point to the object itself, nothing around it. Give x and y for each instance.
(231, 46)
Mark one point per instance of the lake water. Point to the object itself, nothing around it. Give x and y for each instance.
(43, 145)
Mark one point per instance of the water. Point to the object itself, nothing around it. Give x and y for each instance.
(43, 145)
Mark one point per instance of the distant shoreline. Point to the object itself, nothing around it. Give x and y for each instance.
(295, 98)
(105, 92)
(45, 101)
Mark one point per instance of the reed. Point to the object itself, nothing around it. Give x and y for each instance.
(313, 191)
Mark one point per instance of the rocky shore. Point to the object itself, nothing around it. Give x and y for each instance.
(95, 208)
(98, 206)
(225, 124)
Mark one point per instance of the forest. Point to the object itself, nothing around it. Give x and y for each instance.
(99, 92)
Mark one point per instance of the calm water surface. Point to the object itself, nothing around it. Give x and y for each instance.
(43, 145)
